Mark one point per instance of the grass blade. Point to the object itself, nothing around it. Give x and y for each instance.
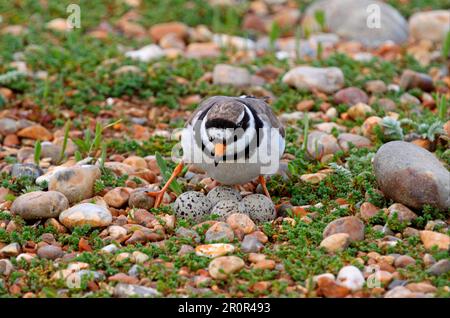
(305, 131)
(37, 152)
(66, 137)
(166, 173)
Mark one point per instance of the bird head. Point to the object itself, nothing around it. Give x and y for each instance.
(226, 124)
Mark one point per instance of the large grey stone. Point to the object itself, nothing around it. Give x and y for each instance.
(40, 205)
(352, 19)
(411, 175)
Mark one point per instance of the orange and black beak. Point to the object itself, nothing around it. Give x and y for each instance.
(219, 152)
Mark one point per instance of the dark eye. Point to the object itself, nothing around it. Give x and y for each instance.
(211, 139)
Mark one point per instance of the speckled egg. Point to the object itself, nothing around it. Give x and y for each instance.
(259, 207)
(227, 207)
(192, 205)
(222, 193)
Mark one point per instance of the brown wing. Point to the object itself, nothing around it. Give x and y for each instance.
(204, 106)
(264, 111)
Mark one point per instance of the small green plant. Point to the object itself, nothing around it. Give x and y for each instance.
(305, 131)
(88, 145)
(442, 106)
(319, 16)
(109, 180)
(166, 173)
(392, 130)
(66, 138)
(298, 35)
(274, 34)
(446, 47)
(10, 76)
(37, 152)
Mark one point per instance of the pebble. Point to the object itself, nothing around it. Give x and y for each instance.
(336, 242)
(421, 288)
(259, 207)
(430, 25)
(6, 267)
(188, 233)
(117, 197)
(359, 111)
(26, 169)
(117, 232)
(368, 127)
(430, 239)
(147, 53)
(260, 236)
(40, 205)
(321, 144)
(240, 43)
(122, 290)
(50, 150)
(224, 74)
(214, 250)
(219, 231)
(135, 270)
(139, 257)
(409, 100)
(380, 276)
(411, 79)
(139, 199)
(110, 249)
(375, 87)
(435, 225)
(222, 193)
(351, 225)
(123, 278)
(10, 250)
(222, 267)
(58, 25)
(410, 232)
(35, 132)
(158, 31)
(185, 249)
(265, 264)
(202, 50)
(313, 178)
(368, 211)
(402, 292)
(345, 139)
(241, 223)
(76, 183)
(350, 96)
(327, 80)
(8, 126)
(428, 259)
(51, 252)
(388, 105)
(402, 212)
(330, 289)
(351, 278)
(250, 244)
(439, 268)
(86, 214)
(193, 205)
(404, 261)
(406, 173)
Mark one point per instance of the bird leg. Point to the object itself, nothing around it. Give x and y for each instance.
(262, 181)
(160, 194)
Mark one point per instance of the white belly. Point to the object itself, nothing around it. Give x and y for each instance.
(232, 173)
